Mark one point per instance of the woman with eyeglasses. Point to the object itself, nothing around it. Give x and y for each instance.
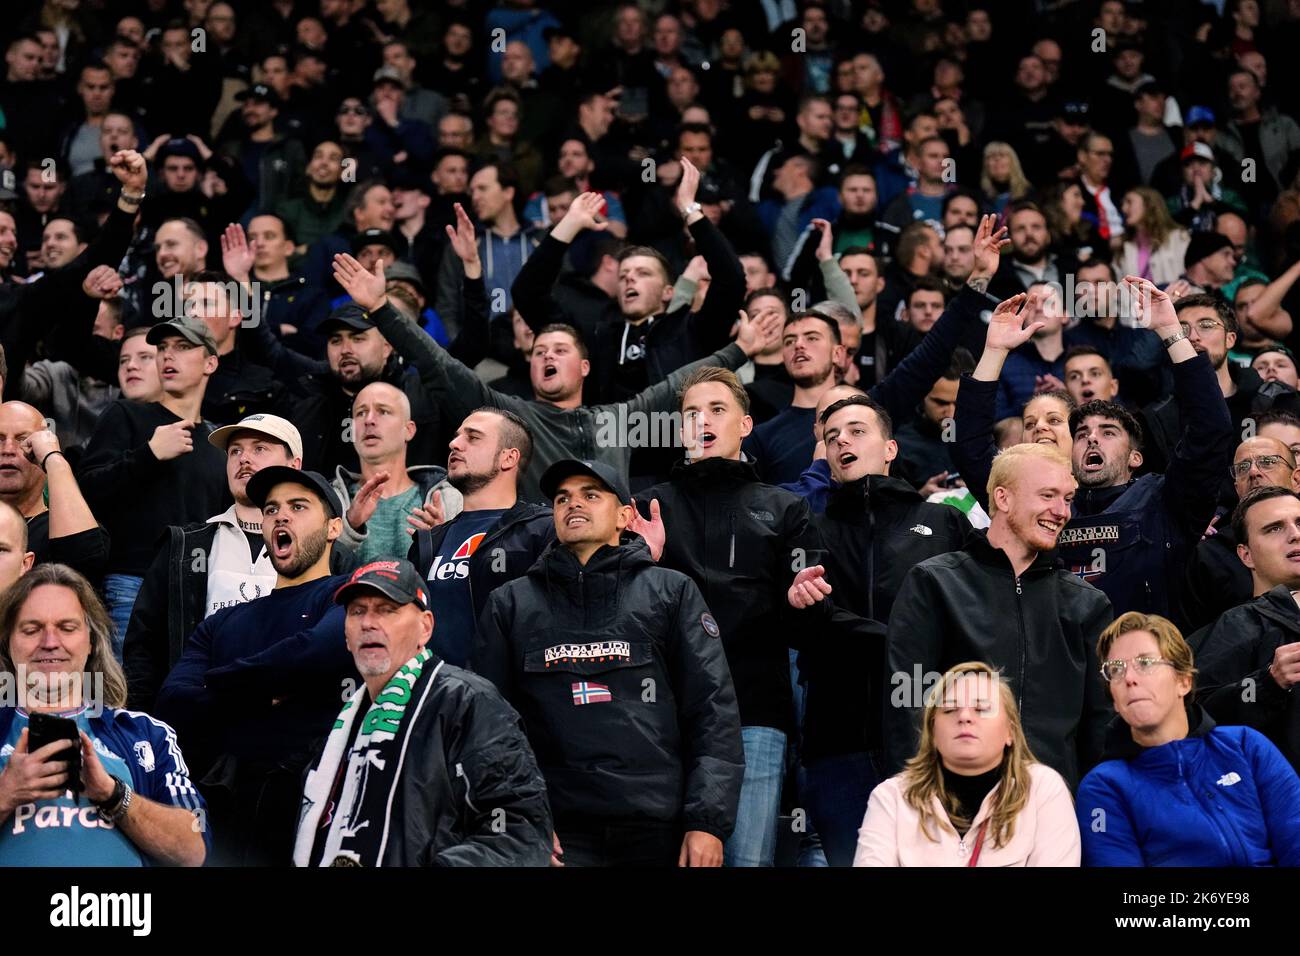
(1176, 789)
(973, 795)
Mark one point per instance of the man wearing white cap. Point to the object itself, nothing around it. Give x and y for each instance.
(204, 567)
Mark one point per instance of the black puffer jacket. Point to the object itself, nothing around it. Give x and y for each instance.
(874, 531)
(1040, 629)
(1233, 657)
(740, 540)
(618, 674)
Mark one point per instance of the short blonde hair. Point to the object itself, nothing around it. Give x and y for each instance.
(1010, 461)
(1173, 646)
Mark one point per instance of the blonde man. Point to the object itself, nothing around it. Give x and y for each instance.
(1004, 600)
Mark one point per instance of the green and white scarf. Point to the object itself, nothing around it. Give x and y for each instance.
(354, 822)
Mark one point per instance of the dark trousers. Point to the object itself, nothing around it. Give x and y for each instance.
(596, 841)
(835, 791)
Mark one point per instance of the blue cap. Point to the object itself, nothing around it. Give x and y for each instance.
(1199, 116)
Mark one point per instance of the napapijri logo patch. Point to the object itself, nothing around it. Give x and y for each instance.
(710, 625)
(598, 651)
(589, 692)
(922, 530)
(1097, 534)
(1228, 779)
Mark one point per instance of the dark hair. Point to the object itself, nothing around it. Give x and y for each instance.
(1114, 412)
(697, 128)
(284, 225)
(962, 362)
(192, 227)
(1252, 498)
(97, 65)
(568, 330)
(80, 228)
(1204, 300)
(856, 169)
(866, 401)
(507, 177)
(910, 120)
(961, 192)
(830, 323)
(357, 197)
(1062, 395)
(558, 185)
(927, 284)
(653, 253)
(767, 291)
(515, 433)
(1075, 351)
(1019, 206)
(910, 240)
(1276, 416)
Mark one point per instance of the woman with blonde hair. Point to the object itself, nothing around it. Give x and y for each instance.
(973, 795)
(1174, 789)
(1002, 179)
(1152, 245)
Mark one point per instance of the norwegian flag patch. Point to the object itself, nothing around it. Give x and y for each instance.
(589, 692)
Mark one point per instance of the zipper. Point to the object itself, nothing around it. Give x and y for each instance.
(460, 772)
(871, 551)
(1020, 625)
(582, 595)
(731, 555)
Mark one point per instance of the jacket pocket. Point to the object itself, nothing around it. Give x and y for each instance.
(588, 657)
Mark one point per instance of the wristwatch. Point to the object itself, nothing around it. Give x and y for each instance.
(1176, 337)
(131, 197)
(115, 807)
(692, 208)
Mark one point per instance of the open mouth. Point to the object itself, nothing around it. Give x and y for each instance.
(245, 473)
(549, 371)
(630, 295)
(575, 519)
(847, 459)
(281, 543)
(1093, 460)
(707, 439)
(1045, 440)
(371, 646)
(1087, 394)
(1051, 527)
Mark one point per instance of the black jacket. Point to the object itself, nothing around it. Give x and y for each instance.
(1232, 658)
(470, 793)
(675, 338)
(873, 532)
(172, 601)
(664, 745)
(1040, 629)
(1217, 581)
(741, 541)
(519, 537)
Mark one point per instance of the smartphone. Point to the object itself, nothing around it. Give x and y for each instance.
(953, 478)
(45, 729)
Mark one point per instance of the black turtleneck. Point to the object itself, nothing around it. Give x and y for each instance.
(970, 791)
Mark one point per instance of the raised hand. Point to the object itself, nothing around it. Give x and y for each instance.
(463, 240)
(39, 444)
(989, 244)
(366, 288)
(1048, 383)
(690, 183)
(826, 244)
(809, 587)
(1152, 308)
(652, 528)
(130, 169)
(428, 516)
(236, 256)
(758, 335)
(1005, 333)
(102, 282)
(172, 441)
(366, 500)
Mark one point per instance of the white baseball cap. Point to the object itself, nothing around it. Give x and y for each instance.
(272, 426)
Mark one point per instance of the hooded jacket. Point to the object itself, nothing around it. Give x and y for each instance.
(873, 532)
(428, 478)
(1233, 657)
(617, 671)
(741, 542)
(1040, 629)
(1221, 796)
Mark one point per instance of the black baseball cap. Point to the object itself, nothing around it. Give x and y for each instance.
(568, 467)
(379, 237)
(180, 146)
(396, 580)
(1075, 111)
(349, 316)
(259, 91)
(260, 485)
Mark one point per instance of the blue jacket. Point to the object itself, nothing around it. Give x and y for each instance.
(1221, 796)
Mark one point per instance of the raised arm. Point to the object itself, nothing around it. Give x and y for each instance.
(1266, 314)
(531, 292)
(712, 324)
(471, 344)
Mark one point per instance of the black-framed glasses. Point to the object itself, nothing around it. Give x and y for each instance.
(1114, 670)
(354, 110)
(1240, 469)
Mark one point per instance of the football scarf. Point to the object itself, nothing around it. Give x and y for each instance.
(348, 796)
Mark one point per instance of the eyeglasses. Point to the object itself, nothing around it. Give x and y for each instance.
(354, 110)
(1114, 670)
(1203, 326)
(1241, 469)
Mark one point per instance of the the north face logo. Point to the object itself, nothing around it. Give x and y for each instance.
(921, 529)
(761, 515)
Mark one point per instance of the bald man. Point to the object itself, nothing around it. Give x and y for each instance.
(1217, 579)
(65, 530)
(388, 501)
(15, 559)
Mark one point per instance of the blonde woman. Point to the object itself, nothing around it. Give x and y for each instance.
(973, 795)
(1002, 180)
(1153, 244)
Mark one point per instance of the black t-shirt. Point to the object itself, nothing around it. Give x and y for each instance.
(85, 551)
(970, 791)
(631, 376)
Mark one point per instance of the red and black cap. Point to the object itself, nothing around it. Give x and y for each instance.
(396, 580)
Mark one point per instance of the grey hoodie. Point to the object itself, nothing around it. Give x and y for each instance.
(428, 478)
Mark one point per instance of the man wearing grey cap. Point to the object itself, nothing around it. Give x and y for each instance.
(148, 466)
(258, 684)
(203, 567)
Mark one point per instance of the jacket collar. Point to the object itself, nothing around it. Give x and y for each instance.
(1120, 744)
(631, 553)
(856, 497)
(226, 518)
(714, 471)
(983, 552)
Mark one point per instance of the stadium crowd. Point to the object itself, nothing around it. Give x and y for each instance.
(871, 424)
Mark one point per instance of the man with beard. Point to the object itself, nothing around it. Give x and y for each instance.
(874, 529)
(1031, 260)
(1216, 578)
(496, 537)
(1004, 599)
(258, 684)
(147, 466)
(178, 591)
(1132, 536)
(319, 211)
(37, 480)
